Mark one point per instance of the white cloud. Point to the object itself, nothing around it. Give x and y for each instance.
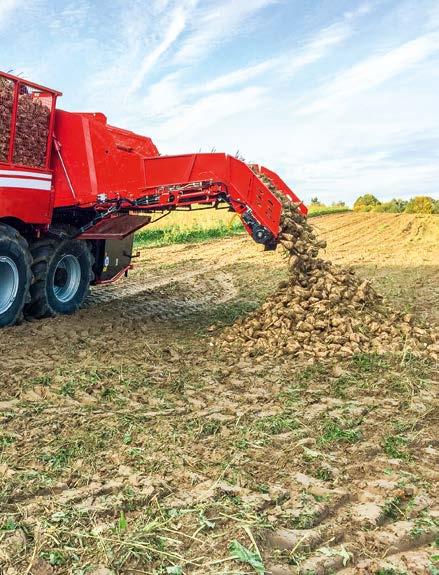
(285, 66)
(216, 24)
(316, 48)
(69, 18)
(350, 177)
(209, 111)
(372, 72)
(171, 91)
(311, 50)
(164, 97)
(172, 31)
(7, 7)
(239, 76)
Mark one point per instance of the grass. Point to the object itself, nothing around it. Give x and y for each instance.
(339, 432)
(276, 424)
(395, 446)
(324, 211)
(203, 225)
(159, 237)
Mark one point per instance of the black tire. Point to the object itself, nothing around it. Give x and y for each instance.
(62, 270)
(15, 275)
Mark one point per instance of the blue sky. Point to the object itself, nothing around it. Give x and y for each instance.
(340, 97)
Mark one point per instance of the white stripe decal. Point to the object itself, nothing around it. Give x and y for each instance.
(25, 183)
(28, 174)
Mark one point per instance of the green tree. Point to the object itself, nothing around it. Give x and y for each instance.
(421, 205)
(395, 206)
(366, 203)
(315, 201)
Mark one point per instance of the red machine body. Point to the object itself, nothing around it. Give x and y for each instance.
(88, 159)
(61, 169)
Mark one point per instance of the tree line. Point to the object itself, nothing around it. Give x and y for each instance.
(415, 205)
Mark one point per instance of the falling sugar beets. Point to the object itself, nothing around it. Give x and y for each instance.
(323, 311)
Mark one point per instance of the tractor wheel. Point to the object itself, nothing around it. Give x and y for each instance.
(15, 275)
(62, 270)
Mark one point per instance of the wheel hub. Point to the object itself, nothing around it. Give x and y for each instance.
(67, 278)
(9, 283)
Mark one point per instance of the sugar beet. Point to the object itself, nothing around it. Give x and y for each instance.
(32, 127)
(323, 311)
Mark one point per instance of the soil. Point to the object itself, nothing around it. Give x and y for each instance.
(130, 443)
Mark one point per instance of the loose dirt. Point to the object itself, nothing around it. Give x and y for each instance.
(130, 444)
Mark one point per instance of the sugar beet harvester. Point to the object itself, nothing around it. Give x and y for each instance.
(73, 190)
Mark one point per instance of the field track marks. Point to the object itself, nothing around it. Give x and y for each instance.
(198, 291)
(355, 532)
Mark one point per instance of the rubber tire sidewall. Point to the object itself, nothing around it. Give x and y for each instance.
(13, 250)
(81, 252)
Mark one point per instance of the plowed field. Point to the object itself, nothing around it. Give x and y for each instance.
(130, 444)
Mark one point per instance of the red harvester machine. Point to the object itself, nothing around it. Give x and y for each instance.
(73, 190)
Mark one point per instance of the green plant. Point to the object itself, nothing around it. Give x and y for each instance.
(390, 571)
(68, 389)
(392, 509)
(59, 458)
(55, 558)
(253, 558)
(275, 424)
(395, 206)
(394, 446)
(341, 552)
(312, 372)
(316, 211)
(323, 474)
(8, 525)
(335, 431)
(6, 440)
(305, 520)
(369, 362)
(41, 380)
(122, 523)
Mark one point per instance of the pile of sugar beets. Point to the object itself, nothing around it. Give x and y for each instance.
(323, 311)
(32, 127)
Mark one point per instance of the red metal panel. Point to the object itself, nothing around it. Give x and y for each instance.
(99, 159)
(244, 187)
(115, 228)
(31, 84)
(30, 206)
(13, 124)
